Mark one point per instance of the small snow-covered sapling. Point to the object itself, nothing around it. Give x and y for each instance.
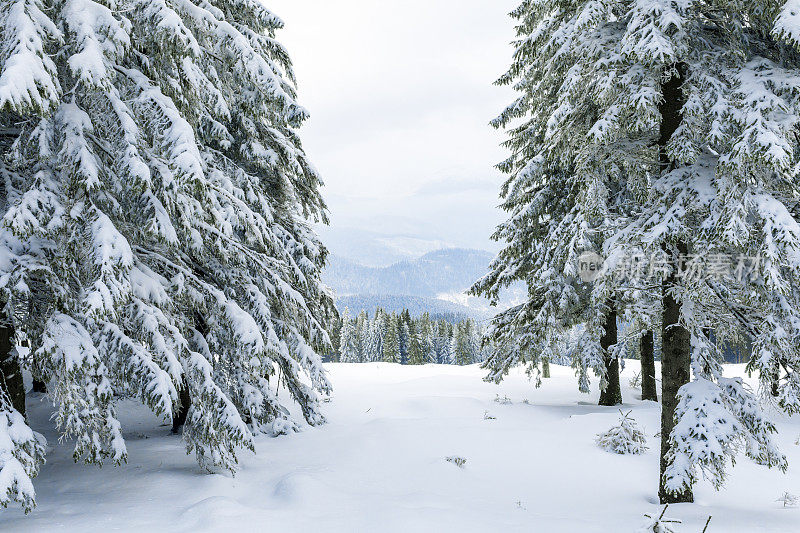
(505, 400)
(660, 524)
(788, 499)
(626, 438)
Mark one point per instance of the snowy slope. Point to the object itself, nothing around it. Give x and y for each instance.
(379, 465)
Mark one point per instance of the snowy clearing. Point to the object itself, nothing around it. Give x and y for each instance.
(380, 464)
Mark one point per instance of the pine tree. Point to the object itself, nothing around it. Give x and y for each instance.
(560, 206)
(461, 349)
(376, 334)
(362, 336)
(349, 342)
(427, 339)
(156, 203)
(625, 438)
(21, 455)
(416, 355)
(336, 339)
(443, 343)
(404, 332)
(391, 342)
(665, 130)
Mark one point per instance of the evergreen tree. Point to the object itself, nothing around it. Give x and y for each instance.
(377, 332)
(336, 339)
(474, 336)
(663, 129)
(155, 241)
(461, 349)
(427, 339)
(391, 342)
(362, 336)
(404, 332)
(416, 355)
(443, 343)
(349, 339)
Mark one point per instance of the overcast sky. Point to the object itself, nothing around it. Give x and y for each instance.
(400, 94)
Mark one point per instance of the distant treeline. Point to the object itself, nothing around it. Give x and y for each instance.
(399, 338)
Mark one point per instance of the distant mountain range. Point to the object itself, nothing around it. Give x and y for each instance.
(441, 271)
(375, 248)
(435, 282)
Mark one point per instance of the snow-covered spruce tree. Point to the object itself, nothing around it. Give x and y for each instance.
(723, 183)
(155, 198)
(443, 343)
(684, 116)
(624, 438)
(21, 455)
(348, 351)
(391, 342)
(560, 202)
(427, 328)
(376, 334)
(362, 335)
(416, 355)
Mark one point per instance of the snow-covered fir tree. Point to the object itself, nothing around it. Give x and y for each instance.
(404, 331)
(349, 349)
(427, 339)
(373, 351)
(156, 237)
(362, 334)
(664, 130)
(391, 342)
(624, 438)
(416, 355)
(430, 343)
(21, 454)
(443, 345)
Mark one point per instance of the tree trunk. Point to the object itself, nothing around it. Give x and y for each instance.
(10, 371)
(39, 386)
(775, 379)
(179, 416)
(647, 359)
(184, 398)
(545, 368)
(612, 394)
(676, 342)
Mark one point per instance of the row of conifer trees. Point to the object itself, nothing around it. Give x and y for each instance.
(401, 338)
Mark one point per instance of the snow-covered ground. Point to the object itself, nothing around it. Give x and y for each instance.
(379, 465)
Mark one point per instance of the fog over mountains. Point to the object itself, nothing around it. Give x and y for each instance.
(435, 282)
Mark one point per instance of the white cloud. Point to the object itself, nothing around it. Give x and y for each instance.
(400, 93)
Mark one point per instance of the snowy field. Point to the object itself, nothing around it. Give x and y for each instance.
(379, 465)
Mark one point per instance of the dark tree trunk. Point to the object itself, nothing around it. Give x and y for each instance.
(10, 371)
(179, 416)
(676, 342)
(648, 368)
(775, 389)
(39, 386)
(184, 398)
(612, 394)
(545, 368)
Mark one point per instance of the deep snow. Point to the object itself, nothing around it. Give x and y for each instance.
(379, 465)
